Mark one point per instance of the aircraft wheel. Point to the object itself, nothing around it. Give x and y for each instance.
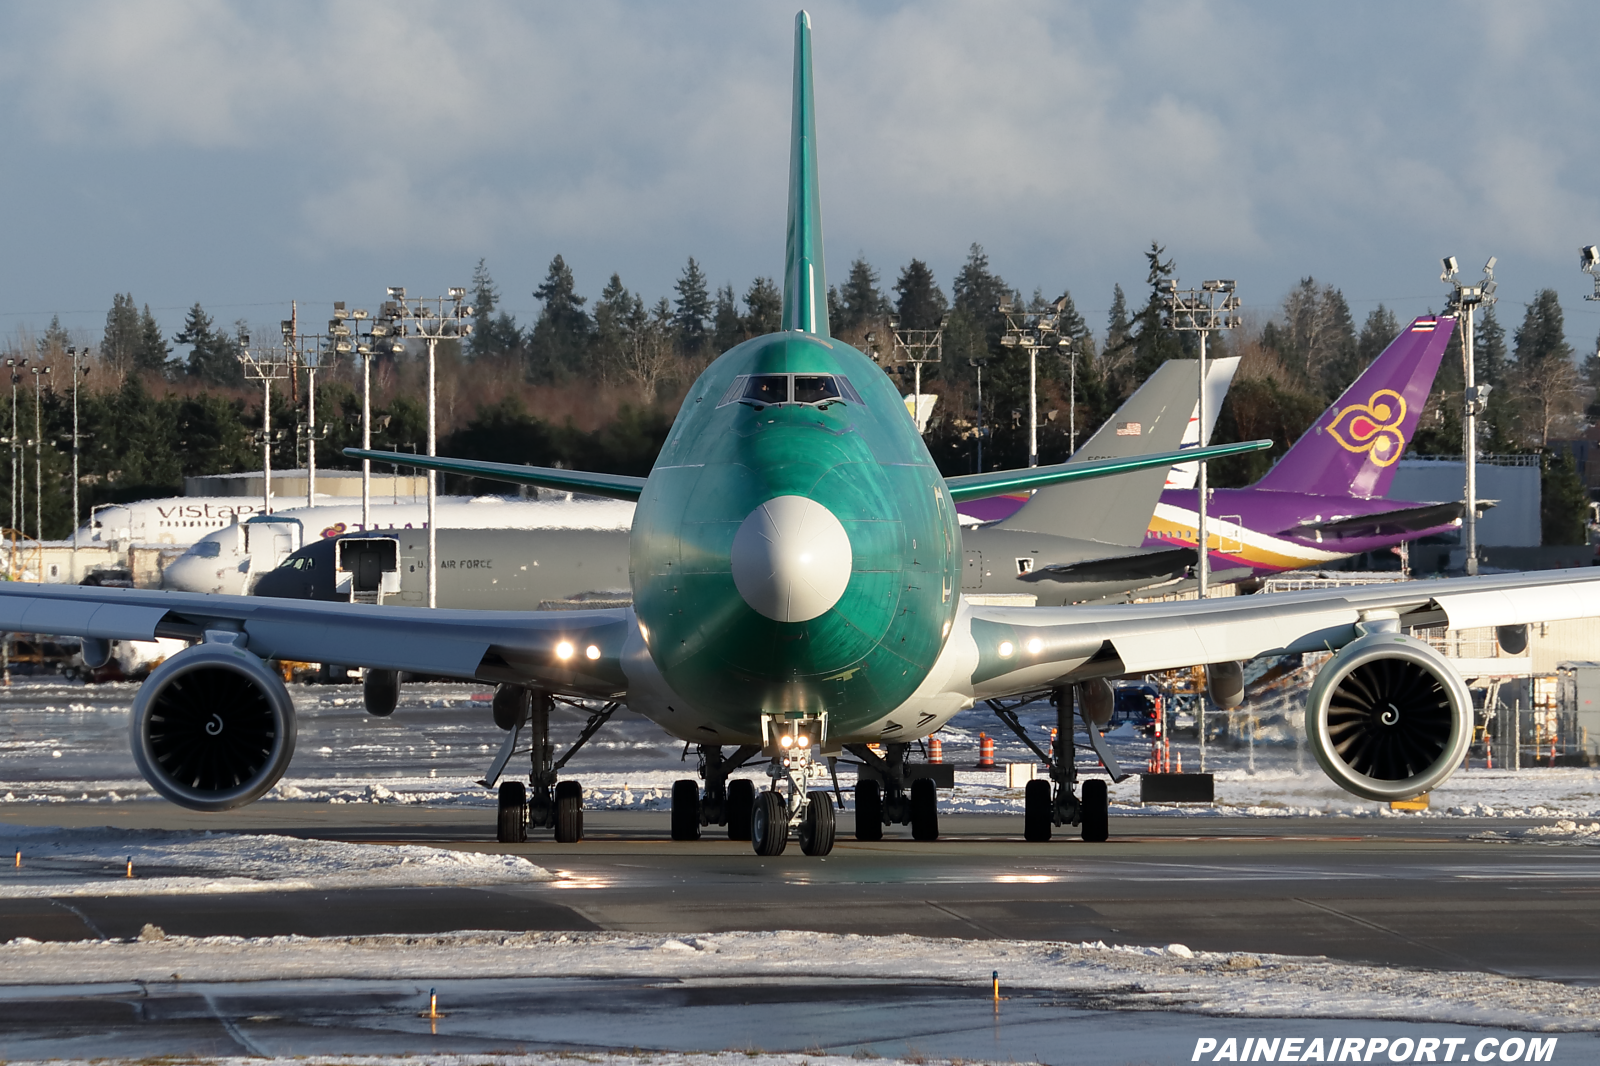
(1096, 812)
(512, 826)
(869, 811)
(741, 804)
(924, 809)
(769, 823)
(686, 810)
(1036, 808)
(569, 812)
(816, 829)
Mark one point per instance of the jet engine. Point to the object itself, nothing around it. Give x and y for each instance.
(213, 728)
(1388, 717)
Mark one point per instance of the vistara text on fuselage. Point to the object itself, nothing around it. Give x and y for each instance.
(795, 548)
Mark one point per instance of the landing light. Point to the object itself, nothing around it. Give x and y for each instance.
(592, 652)
(564, 650)
(785, 741)
(1035, 646)
(1006, 648)
(804, 741)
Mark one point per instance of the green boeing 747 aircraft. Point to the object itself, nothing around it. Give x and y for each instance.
(796, 580)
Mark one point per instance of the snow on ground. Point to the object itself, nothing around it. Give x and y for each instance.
(1170, 978)
(70, 862)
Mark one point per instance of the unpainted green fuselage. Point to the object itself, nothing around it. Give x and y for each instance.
(866, 464)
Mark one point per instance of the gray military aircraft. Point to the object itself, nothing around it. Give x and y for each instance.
(795, 565)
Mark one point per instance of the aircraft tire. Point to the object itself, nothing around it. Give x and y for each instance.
(686, 810)
(1036, 807)
(380, 692)
(817, 828)
(512, 826)
(869, 811)
(569, 812)
(1096, 812)
(741, 808)
(924, 809)
(769, 824)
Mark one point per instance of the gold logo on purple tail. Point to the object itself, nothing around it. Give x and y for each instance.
(1372, 427)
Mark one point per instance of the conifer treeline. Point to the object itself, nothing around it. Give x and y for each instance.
(596, 385)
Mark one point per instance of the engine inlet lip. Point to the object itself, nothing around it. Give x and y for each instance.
(1358, 653)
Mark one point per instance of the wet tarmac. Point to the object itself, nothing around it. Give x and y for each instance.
(850, 1017)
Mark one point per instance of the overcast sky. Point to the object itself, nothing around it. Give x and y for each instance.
(245, 154)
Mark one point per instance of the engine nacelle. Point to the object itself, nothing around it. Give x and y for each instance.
(1388, 717)
(213, 728)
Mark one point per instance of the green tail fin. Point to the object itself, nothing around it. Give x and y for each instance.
(805, 288)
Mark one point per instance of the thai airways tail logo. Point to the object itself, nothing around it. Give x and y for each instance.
(1372, 427)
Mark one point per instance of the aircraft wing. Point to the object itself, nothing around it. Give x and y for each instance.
(999, 482)
(574, 652)
(1135, 638)
(612, 486)
(964, 487)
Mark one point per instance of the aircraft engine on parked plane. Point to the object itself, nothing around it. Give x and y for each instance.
(1388, 717)
(213, 728)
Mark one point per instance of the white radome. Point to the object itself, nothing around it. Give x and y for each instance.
(791, 559)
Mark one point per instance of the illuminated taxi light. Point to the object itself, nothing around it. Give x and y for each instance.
(1006, 649)
(1035, 646)
(804, 741)
(564, 650)
(592, 652)
(785, 741)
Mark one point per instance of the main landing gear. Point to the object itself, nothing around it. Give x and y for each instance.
(899, 800)
(544, 802)
(729, 803)
(1044, 808)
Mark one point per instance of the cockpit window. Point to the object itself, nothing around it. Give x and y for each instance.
(767, 388)
(207, 549)
(815, 388)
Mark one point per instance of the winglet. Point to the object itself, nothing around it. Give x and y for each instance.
(805, 288)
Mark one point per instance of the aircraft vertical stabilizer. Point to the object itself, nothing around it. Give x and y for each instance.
(805, 287)
(1352, 448)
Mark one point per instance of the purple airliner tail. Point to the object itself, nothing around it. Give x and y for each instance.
(1352, 448)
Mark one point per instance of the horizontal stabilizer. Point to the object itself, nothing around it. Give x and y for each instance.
(999, 482)
(1135, 566)
(613, 486)
(1396, 523)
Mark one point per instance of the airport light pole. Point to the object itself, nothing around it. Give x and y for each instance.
(76, 377)
(1464, 300)
(15, 441)
(432, 319)
(1033, 332)
(39, 373)
(266, 365)
(1212, 306)
(307, 350)
(913, 348)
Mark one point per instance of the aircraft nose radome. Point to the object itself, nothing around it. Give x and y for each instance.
(791, 559)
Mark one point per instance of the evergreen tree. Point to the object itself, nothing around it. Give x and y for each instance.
(860, 300)
(1542, 335)
(1117, 324)
(558, 347)
(764, 308)
(55, 339)
(213, 355)
(727, 327)
(1318, 337)
(617, 314)
(1152, 342)
(122, 333)
(492, 334)
(1489, 349)
(1563, 502)
(920, 303)
(150, 352)
(1544, 384)
(1377, 333)
(693, 308)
